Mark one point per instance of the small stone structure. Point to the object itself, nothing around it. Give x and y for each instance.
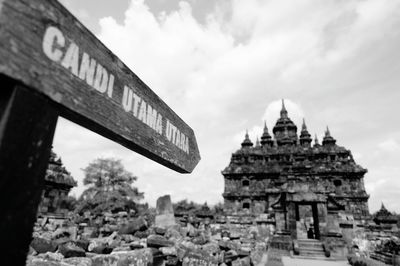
(58, 183)
(164, 213)
(385, 218)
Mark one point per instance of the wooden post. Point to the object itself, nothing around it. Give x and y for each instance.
(27, 125)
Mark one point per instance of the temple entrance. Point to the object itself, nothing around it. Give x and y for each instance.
(307, 223)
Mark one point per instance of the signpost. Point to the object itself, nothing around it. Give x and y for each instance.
(51, 65)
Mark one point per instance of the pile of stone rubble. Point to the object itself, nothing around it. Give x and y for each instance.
(120, 240)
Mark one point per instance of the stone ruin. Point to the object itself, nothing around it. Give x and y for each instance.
(310, 196)
(122, 239)
(58, 184)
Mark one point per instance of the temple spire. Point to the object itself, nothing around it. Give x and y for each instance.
(328, 139)
(316, 140)
(327, 132)
(257, 142)
(284, 113)
(266, 137)
(305, 137)
(303, 126)
(265, 132)
(247, 142)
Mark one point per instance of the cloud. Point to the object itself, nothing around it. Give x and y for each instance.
(81, 14)
(272, 112)
(382, 186)
(228, 73)
(389, 145)
(270, 116)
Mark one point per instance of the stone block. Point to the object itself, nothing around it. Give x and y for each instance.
(43, 262)
(43, 245)
(140, 257)
(142, 234)
(168, 251)
(198, 258)
(173, 234)
(242, 262)
(160, 231)
(81, 261)
(171, 261)
(164, 212)
(51, 256)
(70, 249)
(134, 226)
(230, 256)
(165, 220)
(158, 241)
(211, 248)
(164, 205)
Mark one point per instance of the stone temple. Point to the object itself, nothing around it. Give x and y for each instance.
(306, 187)
(57, 184)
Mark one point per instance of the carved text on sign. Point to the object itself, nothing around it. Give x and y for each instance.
(86, 68)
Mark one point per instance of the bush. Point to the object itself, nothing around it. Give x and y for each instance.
(360, 261)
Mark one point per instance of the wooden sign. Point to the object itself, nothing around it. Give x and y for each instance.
(49, 51)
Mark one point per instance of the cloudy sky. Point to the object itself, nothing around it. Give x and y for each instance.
(224, 65)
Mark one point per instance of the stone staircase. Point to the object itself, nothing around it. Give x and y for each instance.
(311, 248)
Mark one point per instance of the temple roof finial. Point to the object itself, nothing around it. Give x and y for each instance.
(328, 139)
(305, 137)
(257, 142)
(284, 113)
(327, 132)
(266, 137)
(247, 142)
(316, 140)
(304, 127)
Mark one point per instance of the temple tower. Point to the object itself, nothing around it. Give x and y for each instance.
(303, 186)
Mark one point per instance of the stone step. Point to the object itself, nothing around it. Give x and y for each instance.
(303, 243)
(311, 248)
(310, 244)
(312, 257)
(381, 257)
(308, 251)
(308, 241)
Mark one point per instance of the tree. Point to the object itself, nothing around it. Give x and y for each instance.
(109, 187)
(68, 203)
(218, 208)
(184, 206)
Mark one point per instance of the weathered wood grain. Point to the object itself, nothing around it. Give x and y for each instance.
(27, 125)
(38, 44)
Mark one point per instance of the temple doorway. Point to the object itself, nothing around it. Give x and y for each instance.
(307, 223)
